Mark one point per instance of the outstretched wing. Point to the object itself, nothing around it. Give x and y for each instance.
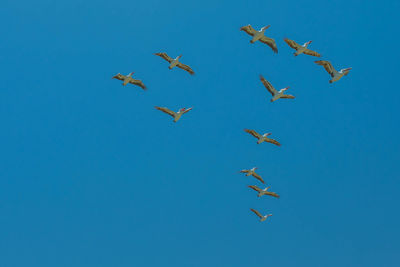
(166, 110)
(258, 177)
(327, 65)
(244, 171)
(164, 56)
(270, 42)
(249, 30)
(185, 67)
(268, 85)
(288, 96)
(256, 188)
(187, 110)
(292, 43)
(311, 53)
(257, 213)
(253, 133)
(138, 83)
(119, 76)
(272, 141)
(272, 194)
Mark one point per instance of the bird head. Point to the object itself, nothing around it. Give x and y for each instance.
(266, 189)
(309, 42)
(267, 134)
(130, 74)
(182, 109)
(179, 56)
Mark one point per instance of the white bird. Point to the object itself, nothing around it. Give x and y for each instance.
(336, 75)
(253, 173)
(175, 62)
(263, 192)
(275, 93)
(176, 115)
(128, 79)
(301, 49)
(262, 218)
(262, 138)
(259, 36)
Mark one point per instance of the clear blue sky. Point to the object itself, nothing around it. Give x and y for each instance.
(92, 175)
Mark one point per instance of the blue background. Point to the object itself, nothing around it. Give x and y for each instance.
(93, 175)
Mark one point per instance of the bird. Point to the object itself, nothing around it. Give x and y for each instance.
(275, 93)
(262, 218)
(262, 138)
(301, 49)
(175, 62)
(253, 173)
(259, 36)
(263, 192)
(176, 115)
(128, 79)
(336, 75)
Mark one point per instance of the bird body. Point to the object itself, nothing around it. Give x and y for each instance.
(262, 138)
(263, 192)
(253, 173)
(175, 62)
(262, 217)
(301, 49)
(336, 75)
(260, 36)
(176, 115)
(275, 93)
(128, 79)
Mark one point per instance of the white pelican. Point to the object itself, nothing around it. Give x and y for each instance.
(301, 49)
(259, 36)
(263, 192)
(176, 115)
(336, 75)
(128, 79)
(262, 218)
(262, 138)
(253, 173)
(275, 93)
(175, 62)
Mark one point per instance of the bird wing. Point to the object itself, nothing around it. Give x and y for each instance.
(138, 83)
(249, 30)
(272, 194)
(292, 43)
(288, 96)
(119, 76)
(253, 133)
(185, 67)
(272, 141)
(166, 110)
(187, 110)
(311, 53)
(164, 56)
(244, 171)
(258, 177)
(257, 213)
(327, 65)
(268, 85)
(270, 42)
(256, 188)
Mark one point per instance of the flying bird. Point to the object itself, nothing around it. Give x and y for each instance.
(301, 49)
(175, 62)
(336, 75)
(275, 93)
(259, 36)
(262, 138)
(128, 79)
(253, 173)
(262, 218)
(175, 115)
(263, 192)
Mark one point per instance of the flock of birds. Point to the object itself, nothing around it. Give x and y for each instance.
(256, 36)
